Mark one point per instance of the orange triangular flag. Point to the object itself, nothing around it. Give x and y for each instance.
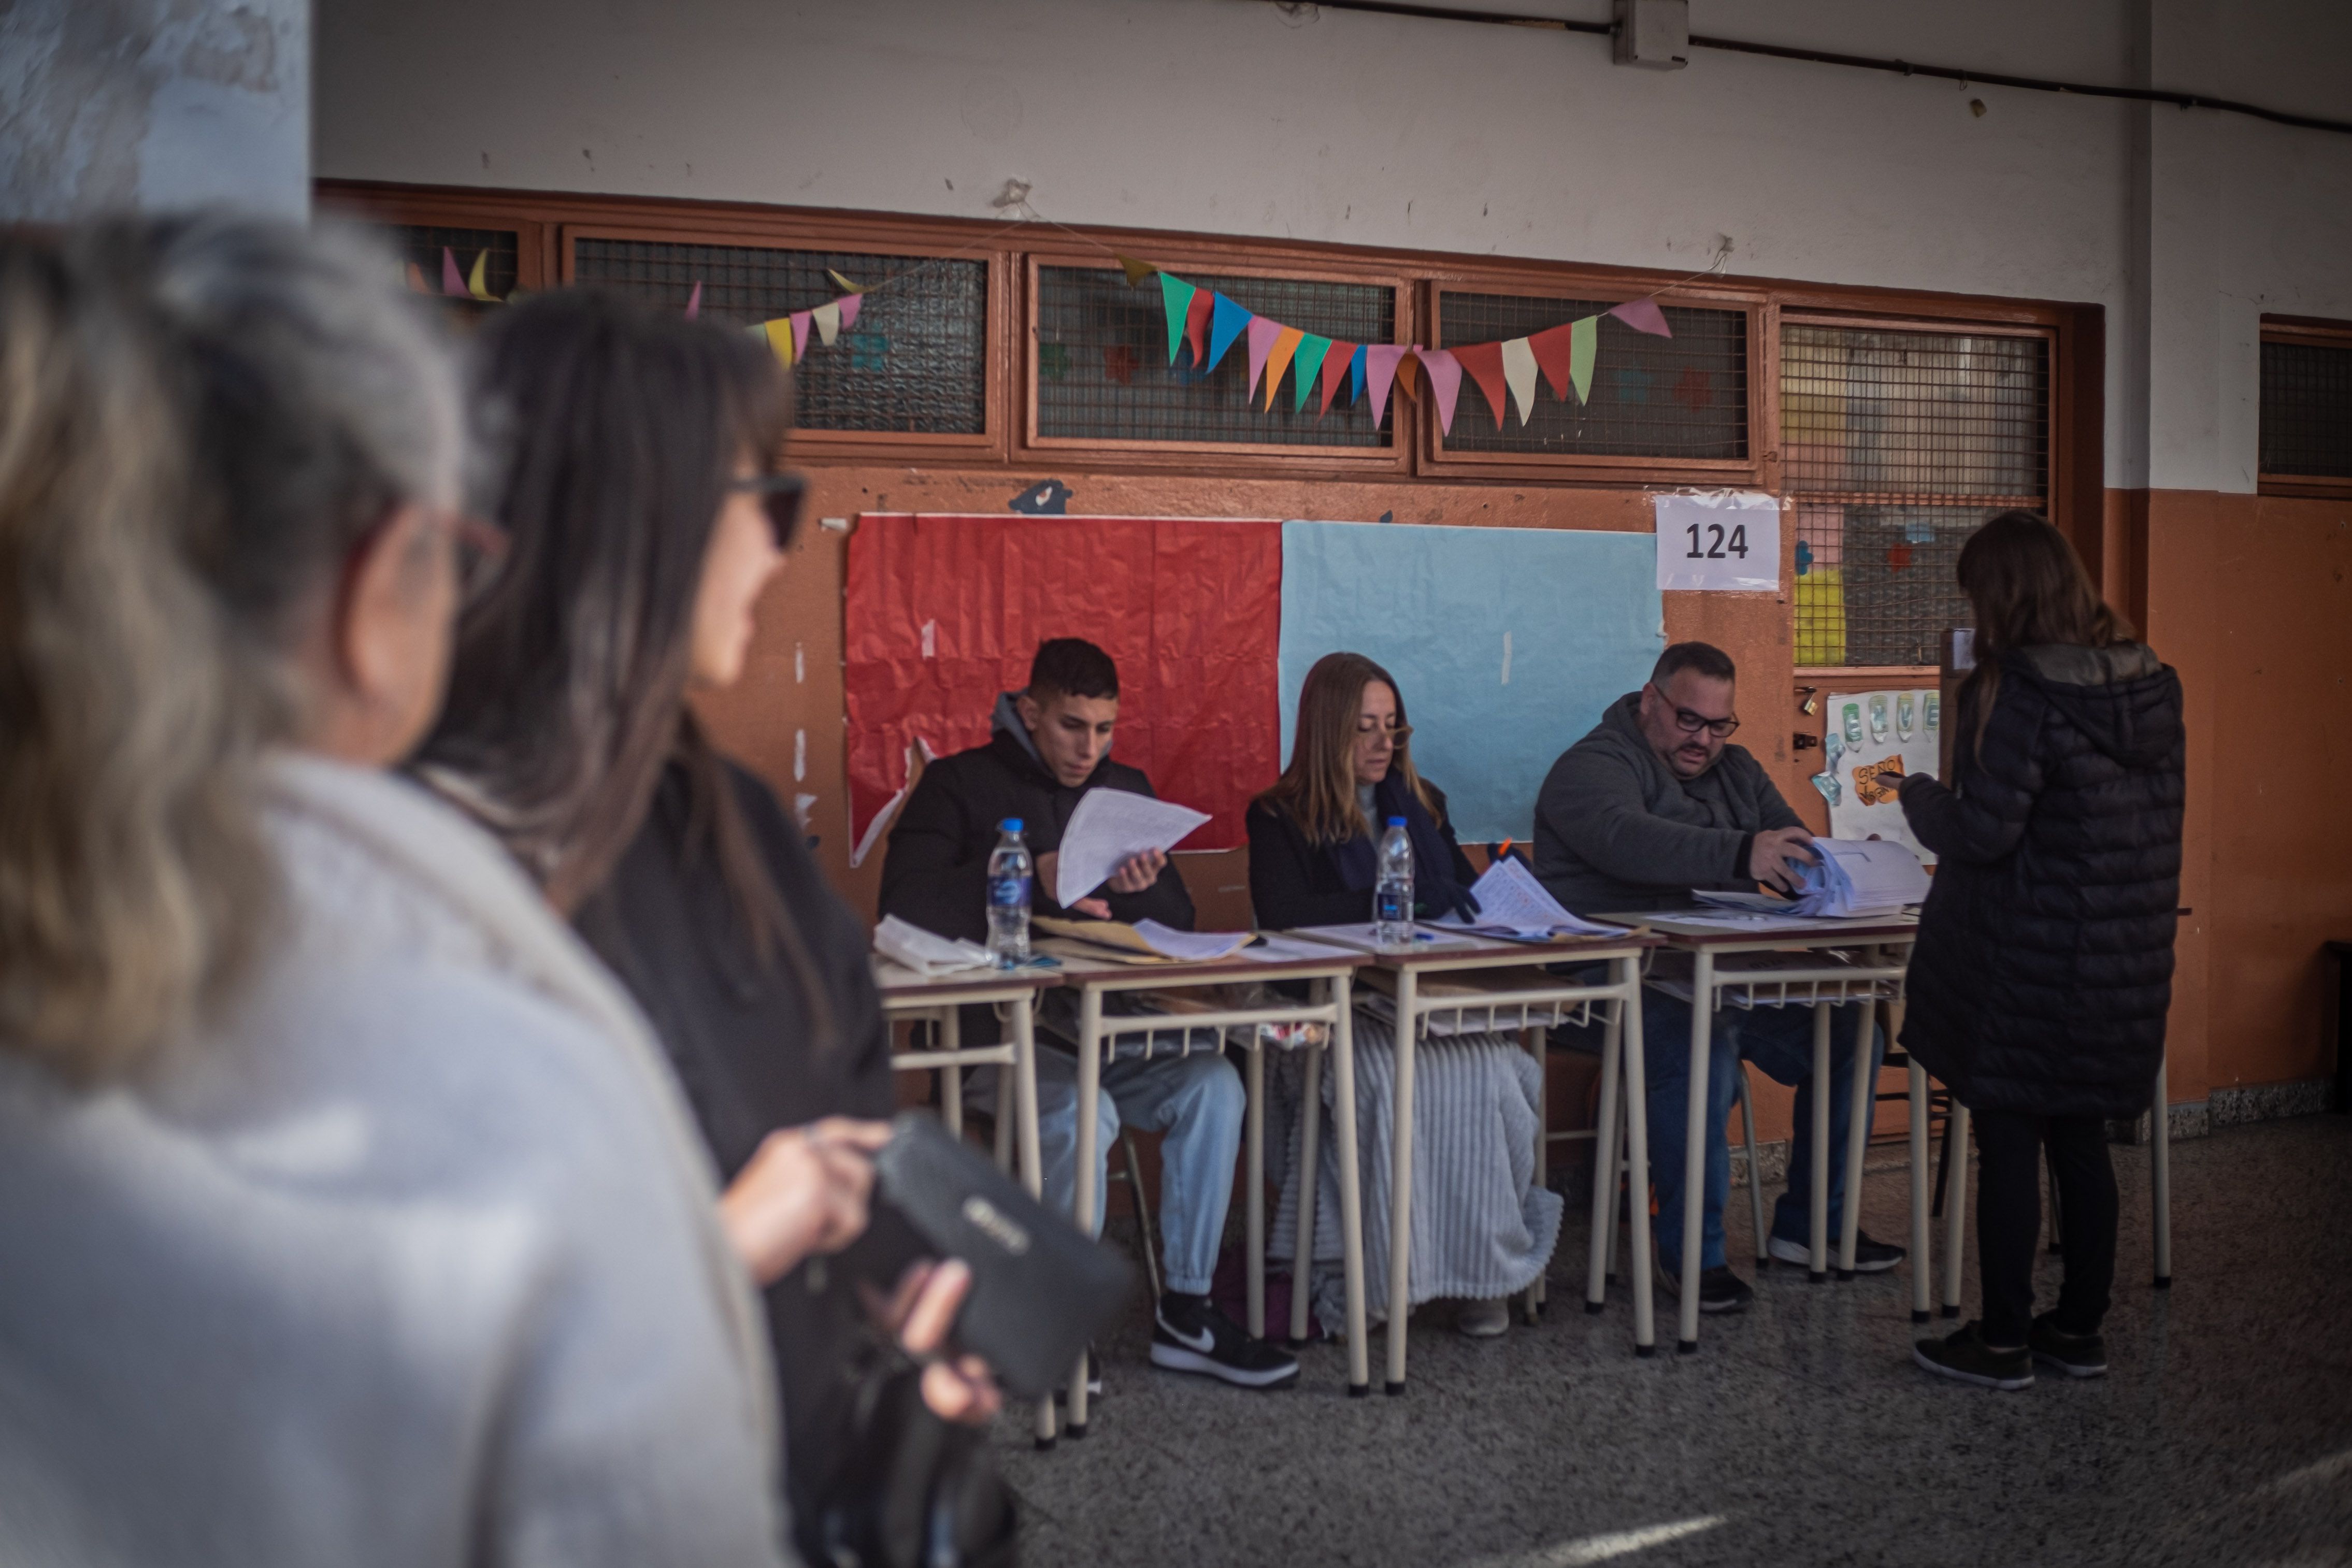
(1485, 363)
(1278, 357)
(1408, 373)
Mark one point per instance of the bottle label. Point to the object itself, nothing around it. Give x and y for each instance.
(1009, 891)
(1390, 907)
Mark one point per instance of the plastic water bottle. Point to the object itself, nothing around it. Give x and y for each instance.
(1009, 869)
(1392, 894)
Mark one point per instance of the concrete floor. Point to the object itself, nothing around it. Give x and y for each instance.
(1799, 1433)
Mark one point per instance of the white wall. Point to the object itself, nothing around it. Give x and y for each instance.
(111, 105)
(1230, 116)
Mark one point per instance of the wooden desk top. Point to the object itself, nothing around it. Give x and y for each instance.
(1082, 967)
(899, 984)
(1680, 930)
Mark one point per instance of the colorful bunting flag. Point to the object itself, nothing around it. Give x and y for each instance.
(1227, 321)
(1519, 370)
(846, 287)
(416, 278)
(1137, 271)
(1642, 316)
(1262, 334)
(475, 285)
(452, 282)
(694, 301)
(1380, 362)
(1176, 300)
(779, 334)
(1338, 361)
(800, 320)
(1408, 373)
(850, 303)
(1311, 349)
(826, 319)
(1356, 374)
(1485, 363)
(1196, 326)
(1285, 349)
(1445, 384)
(1555, 351)
(1581, 347)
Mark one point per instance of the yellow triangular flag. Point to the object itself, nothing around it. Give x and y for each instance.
(1137, 271)
(780, 337)
(1519, 370)
(477, 285)
(826, 319)
(846, 287)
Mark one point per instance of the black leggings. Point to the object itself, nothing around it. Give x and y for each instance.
(2008, 1218)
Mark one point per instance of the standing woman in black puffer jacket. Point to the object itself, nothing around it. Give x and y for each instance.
(2043, 970)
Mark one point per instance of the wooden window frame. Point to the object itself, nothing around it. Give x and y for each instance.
(1554, 282)
(2318, 332)
(1263, 459)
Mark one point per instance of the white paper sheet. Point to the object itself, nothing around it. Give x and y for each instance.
(1277, 948)
(1853, 877)
(926, 952)
(1365, 938)
(1170, 943)
(1512, 903)
(1109, 828)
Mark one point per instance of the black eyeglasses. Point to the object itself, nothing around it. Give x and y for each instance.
(1690, 723)
(780, 497)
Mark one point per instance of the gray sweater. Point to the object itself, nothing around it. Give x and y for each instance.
(412, 1259)
(1615, 830)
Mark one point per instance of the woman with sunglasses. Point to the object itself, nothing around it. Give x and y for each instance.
(1483, 1229)
(645, 519)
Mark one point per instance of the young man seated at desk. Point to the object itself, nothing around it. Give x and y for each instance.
(1051, 744)
(1650, 805)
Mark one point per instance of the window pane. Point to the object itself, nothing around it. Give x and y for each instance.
(1103, 371)
(916, 360)
(2306, 410)
(1684, 396)
(1897, 444)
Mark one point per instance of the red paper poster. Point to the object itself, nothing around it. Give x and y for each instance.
(943, 613)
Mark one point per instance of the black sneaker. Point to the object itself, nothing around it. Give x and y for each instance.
(1869, 1257)
(1964, 1358)
(1719, 1290)
(1190, 1334)
(2075, 1355)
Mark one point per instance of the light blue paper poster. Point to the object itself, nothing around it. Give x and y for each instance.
(1509, 643)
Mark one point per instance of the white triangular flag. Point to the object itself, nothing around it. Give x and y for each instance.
(826, 319)
(1519, 370)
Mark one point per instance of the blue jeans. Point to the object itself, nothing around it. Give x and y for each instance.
(1780, 1041)
(1195, 1100)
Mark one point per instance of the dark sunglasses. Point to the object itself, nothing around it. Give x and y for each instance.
(780, 497)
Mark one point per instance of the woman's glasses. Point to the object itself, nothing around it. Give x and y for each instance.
(1395, 734)
(780, 497)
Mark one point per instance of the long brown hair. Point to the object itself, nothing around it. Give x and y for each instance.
(2028, 588)
(1318, 788)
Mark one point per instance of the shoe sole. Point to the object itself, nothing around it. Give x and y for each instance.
(1485, 1331)
(2071, 1368)
(1803, 1257)
(1944, 1369)
(1175, 1358)
(1715, 1309)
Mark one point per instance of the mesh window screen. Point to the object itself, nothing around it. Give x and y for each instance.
(2307, 408)
(1103, 372)
(1684, 396)
(1897, 446)
(423, 245)
(916, 361)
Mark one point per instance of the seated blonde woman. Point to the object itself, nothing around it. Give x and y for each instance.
(1483, 1229)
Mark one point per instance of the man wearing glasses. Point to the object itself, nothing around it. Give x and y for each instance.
(1655, 801)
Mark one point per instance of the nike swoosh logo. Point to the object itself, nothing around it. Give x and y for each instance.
(1205, 1341)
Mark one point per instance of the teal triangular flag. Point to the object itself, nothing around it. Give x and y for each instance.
(1305, 363)
(1227, 321)
(1177, 295)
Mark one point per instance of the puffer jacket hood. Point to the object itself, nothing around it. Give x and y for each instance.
(2122, 697)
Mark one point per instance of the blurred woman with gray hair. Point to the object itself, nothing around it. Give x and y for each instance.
(348, 1214)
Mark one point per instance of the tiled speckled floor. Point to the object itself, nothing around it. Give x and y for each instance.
(1801, 1433)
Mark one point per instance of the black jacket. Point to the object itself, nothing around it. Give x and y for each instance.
(935, 872)
(738, 1031)
(2044, 969)
(1294, 883)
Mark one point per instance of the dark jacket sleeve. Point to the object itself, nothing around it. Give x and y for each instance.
(931, 875)
(1775, 810)
(1984, 818)
(1281, 879)
(1594, 801)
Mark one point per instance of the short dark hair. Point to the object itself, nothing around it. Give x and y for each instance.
(1705, 657)
(1071, 667)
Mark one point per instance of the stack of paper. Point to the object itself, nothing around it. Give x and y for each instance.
(1109, 828)
(926, 952)
(1514, 905)
(1853, 877)
(1145, 941)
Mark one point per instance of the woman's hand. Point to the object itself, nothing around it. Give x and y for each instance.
(919, 1313)
(802, 1194)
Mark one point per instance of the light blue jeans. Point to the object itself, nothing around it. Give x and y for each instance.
(1195, 1102)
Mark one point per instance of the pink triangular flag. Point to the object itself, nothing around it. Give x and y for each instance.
(800, 320)
(452, 280)
(1379, 371)
(1262, 334)
(1445, 381)
(1643, 316)
(694, 301)
(850, 305)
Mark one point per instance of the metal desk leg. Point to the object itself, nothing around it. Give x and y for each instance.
(1637, 1154)
(1923, 1266)
(1817, 1265)
(951, 1076)
(1746, 1095)
(1860, 1115)
(1956, 1207)
(2159, 1171)
(1604, 1161)
(1408, 1025)
(1351, 1189)
(1253, 1204)
(1532, 1041)
(1697, 1132)
(1083, 1201)
(1311, 1190)
(1024, 1088)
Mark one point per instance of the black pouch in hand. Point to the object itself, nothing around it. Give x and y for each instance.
(1041, 1288)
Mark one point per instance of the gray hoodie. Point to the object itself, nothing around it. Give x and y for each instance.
(1615, 830)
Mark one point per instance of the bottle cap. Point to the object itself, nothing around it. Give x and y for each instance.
(1396, 821)
(1011, 824)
